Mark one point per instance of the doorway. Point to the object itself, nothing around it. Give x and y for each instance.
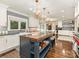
(49, 26)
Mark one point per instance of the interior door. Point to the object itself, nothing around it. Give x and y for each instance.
(49, 26)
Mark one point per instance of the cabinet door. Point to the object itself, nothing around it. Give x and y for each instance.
(12, 41)
(9, 41)
(16, 40)
(2, 43)
(3, 15)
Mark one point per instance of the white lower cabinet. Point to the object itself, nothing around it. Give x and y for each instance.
(2, 43)
(9, 42)
(12, 41)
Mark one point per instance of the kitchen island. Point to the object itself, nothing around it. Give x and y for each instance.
(35, 45)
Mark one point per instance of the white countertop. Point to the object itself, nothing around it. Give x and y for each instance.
(65, 32)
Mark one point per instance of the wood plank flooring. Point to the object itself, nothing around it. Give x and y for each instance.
(62, 49)
(11, 54)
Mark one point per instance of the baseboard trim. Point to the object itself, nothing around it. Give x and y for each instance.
(7, 51)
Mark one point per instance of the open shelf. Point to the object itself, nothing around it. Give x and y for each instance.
(44, 51)
(40, 50)
(32, 51)
(43, 48)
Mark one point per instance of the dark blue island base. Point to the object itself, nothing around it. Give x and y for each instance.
(35, 46)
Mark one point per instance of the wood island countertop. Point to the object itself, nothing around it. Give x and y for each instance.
(38, 36)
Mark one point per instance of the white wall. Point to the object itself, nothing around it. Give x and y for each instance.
(33, 22)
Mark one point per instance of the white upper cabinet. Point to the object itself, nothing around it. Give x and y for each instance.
(76, 8)
(60, 23)
(3, 15)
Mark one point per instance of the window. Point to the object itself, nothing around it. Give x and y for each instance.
(13, 24)
(23, 25)
(16, 23)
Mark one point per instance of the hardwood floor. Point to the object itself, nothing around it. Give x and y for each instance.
(11, 54)
(62, 49)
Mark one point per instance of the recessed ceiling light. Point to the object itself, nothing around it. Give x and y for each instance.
(63, 51)
(62, 10)
(62, 16)
(31, 9)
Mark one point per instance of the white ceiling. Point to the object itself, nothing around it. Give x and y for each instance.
(55, 7)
